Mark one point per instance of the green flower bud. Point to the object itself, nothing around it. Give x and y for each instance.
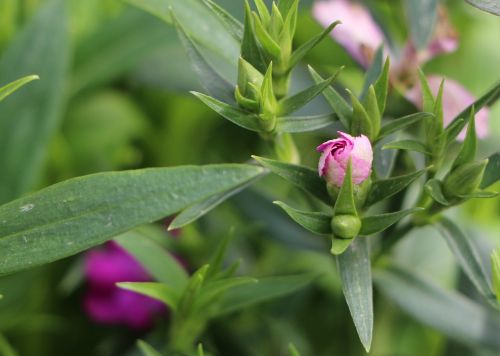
(464, 180)
(346, 226)
(249, 78)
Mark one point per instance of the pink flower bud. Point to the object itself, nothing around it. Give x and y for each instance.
(335, 156)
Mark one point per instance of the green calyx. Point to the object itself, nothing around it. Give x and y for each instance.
(464, 180)
(346, 226)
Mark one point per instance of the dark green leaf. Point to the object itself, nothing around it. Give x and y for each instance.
(295, 102)
(74, 215)
(360, 122)
(492, 171)
(385, 188)
(302, 177)
(491, 6)
(160, 264)
(265, 289)
(250, 50)
(376, 223)
(373, 72)
(233, 26)
(300, 52)
(8, 89)
(345, 201)
(237, 116)
(401, 123)
(453, 129)
(316, 222)
(29, 121)
(410, 145)
(146, 349)
(446, 311)
(383, 160)
(336, 101)
(435, 189)
(467, 152)
(422, 15)
(159, 291)
(304, 123)
(382, 86)
(467, 256)
(211, 291)
(354, 266)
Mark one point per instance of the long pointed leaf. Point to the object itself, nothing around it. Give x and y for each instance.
(376, 223)
(8, 89)
(319, 223)
(234, 27)
(401, 123)
(165, 294)
(492, 172)
(304, 123)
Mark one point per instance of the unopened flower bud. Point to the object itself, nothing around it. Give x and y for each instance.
(464, 179)
(346, 226)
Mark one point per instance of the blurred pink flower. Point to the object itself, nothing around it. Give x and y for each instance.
(104, 302)
(335, 155)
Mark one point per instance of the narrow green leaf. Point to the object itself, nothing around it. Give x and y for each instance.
(488, 99)
(410, 145)
(422, 15)
(71, 216)
(27, 126)
(300, 52)
(200, 350)
(217, 259)
(316, 222)
(354, 266)
(250, 49)
(159, 263)
(467, 256)
(495, 272)
(491, 6)
(447, 311)
(492, 171)
(384, 160)
(212, 81)
(402, 122)
(373, 72)
(304, 123)
(302, 177)
(233, 26)
(336, 101)
(8, 89)
(385, 188)
(214, 290)
(237, 116)
(435, 189)
(263, 12)
(427, 96)
(146, 349)
(469, 146)
(382, 86)
(295, 102)
(453, 129)
(340, 245)
(480, 195)
(265, 39)
(373, 110)
(293, 350)
(192, 291)
(345, 201)
(159, 291)
(265, 289)
(360, 122)
(285, 6)
(377, 223)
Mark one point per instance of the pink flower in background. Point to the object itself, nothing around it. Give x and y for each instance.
(360, 35)
(104, 302)
(335, 155)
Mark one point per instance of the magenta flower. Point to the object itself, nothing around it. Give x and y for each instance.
(335, 155)
(104, 302)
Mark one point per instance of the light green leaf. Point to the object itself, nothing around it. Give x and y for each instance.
(354, 266)
(360, 122)
(340, 245)
(265, 39)
(468, 149)
(382, 86)
(146, 349)
(495, 272)
(373, 111)
(316, 222)
(491, 6)
(480, 195)
(237, 116)
(265, 289)
(376, 223)
(449, 312)
(410, 145)
(304, 123)
(345, 201)
(492, 171)
(467, 256)
(336, 101)
(300, 176)
(74, 215)
(422, 15)
(401, 123)
(26, 126)
(159, 291)
(159, 263)
(385, 188)
(233, 26)
(435, 189)
(8, 89)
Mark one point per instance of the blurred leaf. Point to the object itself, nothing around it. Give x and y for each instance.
(491, 6)
(354, 266)
(385, 188)
(468, 257)
(146, 349)
(446, 311)
(373, 72)
(319, 223)
(376, 223)
(28, 121)
(8, 89)
(410, 145)
(265, 289)
(214, 290)
(422, 16)
(401, 123)
(74, 215)
(336, 101)
(300, 176)
(293, 350)
(435, 190)
(233, 26)
(159, 291)
(480, 195)
(237, 116)
(495, 272)
(304, 123)
(295, 102)
(5, 348)
(160, 264)
(492, 171)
